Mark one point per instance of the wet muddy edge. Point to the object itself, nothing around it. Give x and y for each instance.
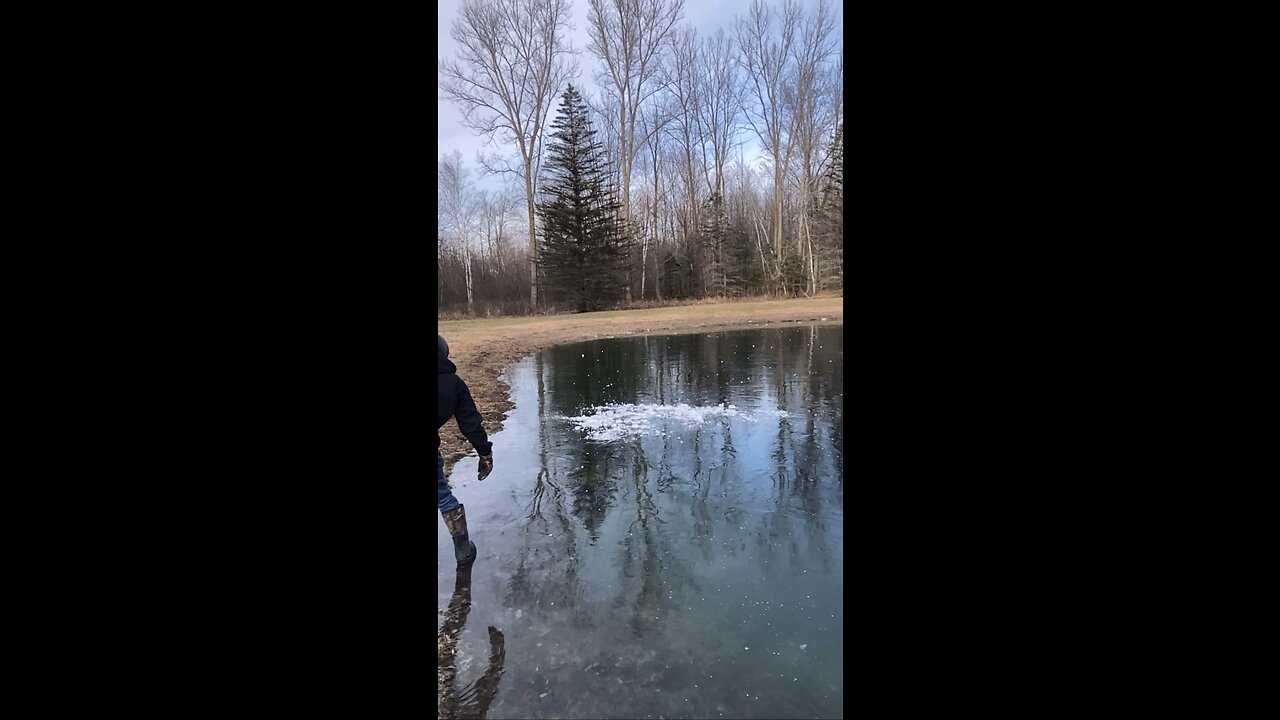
(483, 368)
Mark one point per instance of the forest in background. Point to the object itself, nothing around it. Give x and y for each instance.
(704, 165)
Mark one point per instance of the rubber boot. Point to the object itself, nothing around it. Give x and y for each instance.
(463, 549)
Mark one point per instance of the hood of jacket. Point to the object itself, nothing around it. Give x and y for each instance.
(443, 364)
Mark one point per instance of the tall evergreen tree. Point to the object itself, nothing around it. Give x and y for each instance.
(715, 238)
(584, 246)
(750, 277)
(831, 219)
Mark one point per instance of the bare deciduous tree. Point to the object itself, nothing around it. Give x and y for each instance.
(629, 37)
(809, 109)
(683, 93)
(719, 106)
(495, 220)
(513, 59)
(765, 40)
(459, 204)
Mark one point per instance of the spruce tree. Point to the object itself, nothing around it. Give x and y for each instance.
(584, 247)
(715, 239)
(831, 218)
(750, 276)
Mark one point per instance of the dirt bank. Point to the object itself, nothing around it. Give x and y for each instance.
(482, 349)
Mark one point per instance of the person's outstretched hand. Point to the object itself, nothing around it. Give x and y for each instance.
(486, 466)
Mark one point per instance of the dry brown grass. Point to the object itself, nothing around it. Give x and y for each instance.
(520, 308)
(483, 348)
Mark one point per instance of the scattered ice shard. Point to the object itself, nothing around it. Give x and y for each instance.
(608, 423)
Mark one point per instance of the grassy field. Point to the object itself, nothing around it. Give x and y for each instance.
(482, 349)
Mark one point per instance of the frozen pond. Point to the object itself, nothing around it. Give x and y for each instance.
(662, 534)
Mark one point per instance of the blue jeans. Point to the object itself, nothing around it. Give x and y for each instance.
(448, 503)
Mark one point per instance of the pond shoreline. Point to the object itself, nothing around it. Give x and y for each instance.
(484, 349)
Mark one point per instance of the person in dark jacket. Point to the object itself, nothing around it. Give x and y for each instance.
(454, 401)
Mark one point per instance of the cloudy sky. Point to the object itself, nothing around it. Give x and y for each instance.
(706, 16)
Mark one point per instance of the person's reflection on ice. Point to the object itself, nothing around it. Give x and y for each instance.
(471, 701)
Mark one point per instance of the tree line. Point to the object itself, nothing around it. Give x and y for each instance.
(706, 164)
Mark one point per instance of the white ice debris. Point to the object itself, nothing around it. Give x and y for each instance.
(608, 423)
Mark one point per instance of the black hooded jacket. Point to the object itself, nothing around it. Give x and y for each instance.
(455, 401)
